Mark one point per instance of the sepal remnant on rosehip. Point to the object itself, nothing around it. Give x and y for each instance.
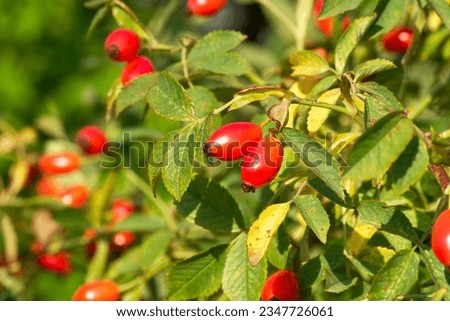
(261, 164)
(281, 286)
(122, 45)
(135, 68)
(91, 139)
(440, 237)
(205, 7)
(99, 290)
(231, 141)
(398, 39)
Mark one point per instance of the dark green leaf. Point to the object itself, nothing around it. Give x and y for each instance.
(314, 215)
(135, 91)
(227, 63)
(140, 223)
(371, 67)
(99, 16)
(170, 100)
(337, 283)
(332, 8)
(396, 277)
(312, 272)
(326, 191)
(443, 10)
(439, 273)
(197, 277)
(390, 14)
(203, 99)
(409, 167)
(278, 251)
(214, 43)
(241, 281)
(379, 147)
(348, 41)
(199, 204)
(319, 161)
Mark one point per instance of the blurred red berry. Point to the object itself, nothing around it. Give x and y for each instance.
(91, 139)
(58, 262)
(205, 7)
(99, 290)
(121, 208)
(122, 240)
(48, 186)
(398, 39)
(59, 163)
(74, 196)
(122, 45)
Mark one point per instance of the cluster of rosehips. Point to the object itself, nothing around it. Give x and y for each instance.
(91, 140)
(440, 237)
(261, 156)
(123, 45)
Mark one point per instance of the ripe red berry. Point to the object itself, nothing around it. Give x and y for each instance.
(205, 7)
(281, 286)
(59, 163)
(74, 196)
(398, 39)
(100, 290)
(91, 139)
(122, 45)
(58, 262)
(231, 141)
(261, 164)
(440, 237)
(121, 208)
(122, 240)
(47, 186)
(135, 68)
(326, 25)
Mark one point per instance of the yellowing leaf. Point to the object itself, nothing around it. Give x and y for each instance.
(360, 235)
(263, 229)
(317, 116)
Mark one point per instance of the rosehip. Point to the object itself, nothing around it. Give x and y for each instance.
(205, 7)
(91, 139)
(326, 25)
(231, 141)
(440, 237)
(58, 262)
(100, 290)
(261, 164)
(122, 240)
(74, 196)
(281, 286)
(59, 163)
(47, 186)
(122, 45)
(398, 39)
(135, 68)
(121, 208)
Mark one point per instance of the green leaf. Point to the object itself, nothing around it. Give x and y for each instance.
(140, 223)
(442, 9)
(154, 247)
(312, 272)
(326, 191)
(371, 67)
(203, 99)
(379, 147)
(202, 134)
(98, 263)
(314, 215)
(439, 273)
(390, 14)
(307, 63)
(135, 91)
(242, 281)
(262, 230)
(319, 161)
(227, 63)
(348, 41)
(337, 283)
(156, 162)
(332, 8)
(197, 277)
(214, 43)
(124, 19)
(389, 219)
(279, 247)
(409, 167)
(170, 100)
(379, 102)
(98, 17)
(252, 94)
(200, 205)
(100, 198)
(128, 263)
(323, 85)
(396, 277)
(177, 173)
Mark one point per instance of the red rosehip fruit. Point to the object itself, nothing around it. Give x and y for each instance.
(74, 196)
(398, 39)
(231, 141)
(262, 163)
(91, 139)
(205, 7)
(122, 45)
(122, 240)
(57, 262)
(99, 290)
(121, 208)
(59, 163)
(135, 68)
(47, 186)
(281, 286)
(326, 25)
(440, 237)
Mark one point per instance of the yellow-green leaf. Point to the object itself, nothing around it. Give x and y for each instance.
(317, 116)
